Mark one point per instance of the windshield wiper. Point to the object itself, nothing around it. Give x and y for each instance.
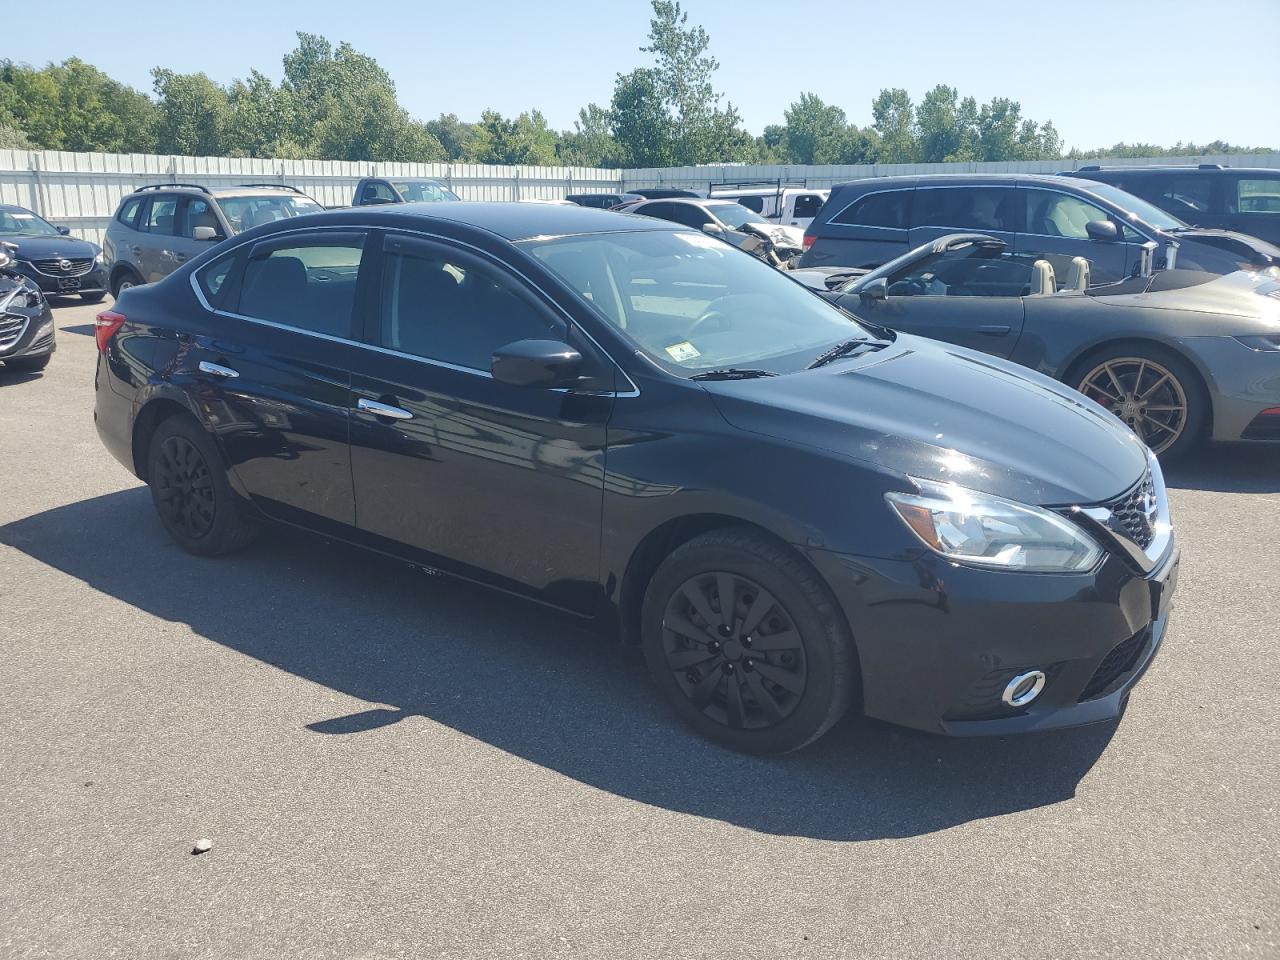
(733, 373)
(847, 349)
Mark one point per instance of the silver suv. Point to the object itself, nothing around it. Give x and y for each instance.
(158, 228)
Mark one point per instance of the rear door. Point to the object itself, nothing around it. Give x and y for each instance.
(493, 481)
(276, 377)
(867, 231)
(991, 210)
(1056, 230)
(1252, 204)
(193, 212)
(154, 249)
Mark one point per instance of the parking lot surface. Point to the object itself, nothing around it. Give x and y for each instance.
(389, 764)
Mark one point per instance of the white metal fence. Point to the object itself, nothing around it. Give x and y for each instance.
(81, 190)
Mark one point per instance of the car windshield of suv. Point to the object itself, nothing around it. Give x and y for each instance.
(693, 304)
(733, 214)
(245, 213)
(23, 223)
(1147, 212)
(424, 191)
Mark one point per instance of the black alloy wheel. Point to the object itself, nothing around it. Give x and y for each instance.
(184, 488)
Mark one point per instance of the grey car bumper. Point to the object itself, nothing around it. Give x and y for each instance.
(1242, 383)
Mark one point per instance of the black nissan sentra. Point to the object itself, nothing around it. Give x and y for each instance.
(794, 513)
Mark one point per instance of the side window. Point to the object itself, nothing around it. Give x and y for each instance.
(961, 273)
(663, 211)
(128, 214)
(1255, 195)
(212, 278)
(967, 208)
(162, 216)
(311, 286)
(454, 309)
(376, 190)
(889, 209)
(1052, 214)
(690, 215)
(197, 213)
(807, 205)
(752, 203)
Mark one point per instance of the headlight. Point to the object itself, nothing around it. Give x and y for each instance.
(987, 531)
(1265, 343)
(99, 259)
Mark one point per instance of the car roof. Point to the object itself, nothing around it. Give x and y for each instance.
(1210, 169)
(217, 192)
(511, 221)
(977, 179)
(17, 208)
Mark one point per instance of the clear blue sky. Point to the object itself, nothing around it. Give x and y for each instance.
(1102, 71)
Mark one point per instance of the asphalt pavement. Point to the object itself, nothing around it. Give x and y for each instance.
(388, 764)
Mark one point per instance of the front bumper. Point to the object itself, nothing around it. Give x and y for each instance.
(36, 335)
(938, 642)
(95, 281)
(1242, 383)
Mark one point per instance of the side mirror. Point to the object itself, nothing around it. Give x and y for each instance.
(65, 231)
(536, 363)
(714, 229)
(1103, 230)
(877, 289)
(206, 233)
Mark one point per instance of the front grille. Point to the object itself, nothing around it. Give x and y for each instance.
(11, 330)
(1115, 666)
(53, 267)
(1129, 512)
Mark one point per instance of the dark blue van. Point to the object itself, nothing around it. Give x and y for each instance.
(868, 222)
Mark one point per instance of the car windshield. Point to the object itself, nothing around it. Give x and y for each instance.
(244, 213)
(733, 214)
(1147, 212)
(693, 304)
(24, 223)
(428, 191)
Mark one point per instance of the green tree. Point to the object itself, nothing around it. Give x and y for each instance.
(369, 124)
(75, 106)
(815, 131)
(941, 135)
(590, 143)
(894, 124)
(523, 139)
(640, 122)
(194, 114)
(454, 135)
(262, 120)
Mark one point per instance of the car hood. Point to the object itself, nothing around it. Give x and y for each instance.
(41, 248)
(1244, 293)
(929, 410)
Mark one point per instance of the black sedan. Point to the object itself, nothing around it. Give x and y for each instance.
(1179, 355)
(59, 264)
(792, 513)
(27, 335)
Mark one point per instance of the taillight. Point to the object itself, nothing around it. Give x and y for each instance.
(105, 326)
(809, 238)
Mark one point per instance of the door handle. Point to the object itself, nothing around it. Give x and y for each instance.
(217, 370)
(994, 329)
(383, 409)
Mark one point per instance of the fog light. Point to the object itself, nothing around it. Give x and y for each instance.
(1023, 688)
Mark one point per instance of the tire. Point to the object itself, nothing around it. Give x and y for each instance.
(122, 282)
(92, 297)
(770, 686)
(1143, 385)
(29, 364)
(190, 490)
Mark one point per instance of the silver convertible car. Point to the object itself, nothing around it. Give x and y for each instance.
(1179, 355)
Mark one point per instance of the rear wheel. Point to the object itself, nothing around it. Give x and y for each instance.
(191, 492)
(123, 282)
(746, 643)
(1156, 394)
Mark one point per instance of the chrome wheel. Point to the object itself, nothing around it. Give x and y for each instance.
(734, 651)
(1144, 394)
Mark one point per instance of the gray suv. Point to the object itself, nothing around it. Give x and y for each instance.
(158, 228)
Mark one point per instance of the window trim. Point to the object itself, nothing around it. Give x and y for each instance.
(375, 239)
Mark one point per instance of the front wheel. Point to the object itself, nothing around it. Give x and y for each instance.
(190, 490)
(1156, 394)
(746, 643)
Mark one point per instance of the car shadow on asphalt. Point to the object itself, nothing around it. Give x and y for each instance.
(533, 683)
(1228, 468)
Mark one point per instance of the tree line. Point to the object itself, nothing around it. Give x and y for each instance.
(336, 103)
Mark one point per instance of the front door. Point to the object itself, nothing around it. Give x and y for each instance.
(1057, 230)
(1252, 204)
(937, 211)
(454, 468)
(276, 376)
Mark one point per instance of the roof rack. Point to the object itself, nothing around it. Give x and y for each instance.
(777, 182)
(274, 186)
(170, 186)
(1211, 166)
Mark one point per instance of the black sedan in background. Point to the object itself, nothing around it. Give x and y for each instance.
(27, 336)
(793, 513)
(1179, 355)
(60, 265)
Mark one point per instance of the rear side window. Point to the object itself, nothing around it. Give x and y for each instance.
(968, 208)
(162, 216)
(128, 214)
(311, 286)
(888, 209)
(212, 279)
(1257, 195)
(807, 205)
(753, 203)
